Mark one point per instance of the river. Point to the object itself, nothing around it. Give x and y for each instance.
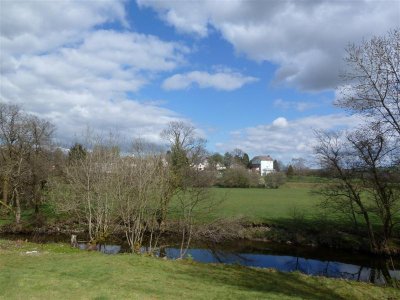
(285, 258)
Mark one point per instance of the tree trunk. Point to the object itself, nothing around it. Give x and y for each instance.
(35, 197)
(372, 241)
(354, 216)
(5, 189)
(17, 208)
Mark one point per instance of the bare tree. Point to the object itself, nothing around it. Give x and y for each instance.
(373, 80)
(375, 152)
(299, 166)
(195, 202)
(86, 189)
(363, 181)
(38, 159)
(190, 186)
(143, 191)
(24, 139)
(345, 191)
(10, 128)
(186, 147)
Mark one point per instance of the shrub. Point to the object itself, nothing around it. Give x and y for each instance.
(235, 177)
(274, 180)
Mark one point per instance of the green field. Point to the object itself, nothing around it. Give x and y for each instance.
(58, 272)
(260, 205)
(266, 205)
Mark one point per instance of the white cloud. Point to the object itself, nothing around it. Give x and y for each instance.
(285, 139)
(40, 26)
(226, 81)
(57, 64)
(306, 39)
(280, 122)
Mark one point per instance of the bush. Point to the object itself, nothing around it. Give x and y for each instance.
(274, 180)
(256, 180)
(235, 177)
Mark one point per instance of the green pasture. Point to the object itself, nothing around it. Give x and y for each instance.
(260, 205)
(266, 205)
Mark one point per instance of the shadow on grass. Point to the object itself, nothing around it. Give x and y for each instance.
(265, 281)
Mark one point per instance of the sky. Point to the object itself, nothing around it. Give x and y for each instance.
(258, 75)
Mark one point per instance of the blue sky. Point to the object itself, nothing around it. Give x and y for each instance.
(255, 75)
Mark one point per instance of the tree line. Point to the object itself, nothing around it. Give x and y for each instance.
(101, 188)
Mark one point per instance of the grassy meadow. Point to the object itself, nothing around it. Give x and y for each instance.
(266, 205)
(57, 271)
(260, 205)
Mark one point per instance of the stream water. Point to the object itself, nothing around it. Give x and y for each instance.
(286, 258)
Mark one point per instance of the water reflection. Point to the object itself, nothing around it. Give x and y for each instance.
(379, 273)
(290, 263)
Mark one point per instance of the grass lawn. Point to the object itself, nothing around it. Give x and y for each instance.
(292, 200)
(58, 272)
(265, 205)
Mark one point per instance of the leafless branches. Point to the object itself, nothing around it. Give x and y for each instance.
(373, 80)
(364, 180)
(25, 141)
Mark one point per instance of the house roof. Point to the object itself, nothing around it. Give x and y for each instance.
(262, 158)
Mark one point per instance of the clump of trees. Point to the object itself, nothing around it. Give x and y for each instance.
(25, 160)
(107, 191)
(364, 164)
(235, 158)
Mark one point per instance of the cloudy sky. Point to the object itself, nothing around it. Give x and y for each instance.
(258, 75)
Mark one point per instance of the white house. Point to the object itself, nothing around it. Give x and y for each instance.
(263, 164)
(205, 164)
(202, 166)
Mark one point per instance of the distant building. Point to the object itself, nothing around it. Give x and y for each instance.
(262, 164)
(202, 166)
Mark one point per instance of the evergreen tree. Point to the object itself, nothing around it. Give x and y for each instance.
(76, 152)
(277, 167)
(246, 160)
(228, 158)
(290, 171)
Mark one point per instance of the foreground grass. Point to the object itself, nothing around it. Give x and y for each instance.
(58, 272)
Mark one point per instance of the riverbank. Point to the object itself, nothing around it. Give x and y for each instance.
(288, 215)
(310, 234)
(51, 271)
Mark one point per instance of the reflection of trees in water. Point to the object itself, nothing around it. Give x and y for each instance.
(313, 267)
(223, 256)
(298, 264)
(375, 271)
(378, 274)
